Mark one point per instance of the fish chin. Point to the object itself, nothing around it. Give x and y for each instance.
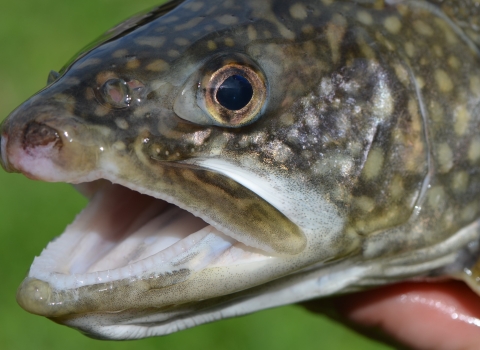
(123, 235)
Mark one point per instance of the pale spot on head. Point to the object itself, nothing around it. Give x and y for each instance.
(365, 48)
(173, 53)
(475, 84)
(153, 41)
(383, 100)
(278, 151)
(229, 42)
(87, 63)
(454, 62)
(402, 74)
(194, 6)
(474, 150)
(190, 24)
(251, 33)
(436, 111)
(181, 41)
(422, 28)
(438, 50)
(374, 164)
(387, 43)
(309, 47)
(436, 197)
(335, 31)
(361, 226)
(449, 35)
(445, 157)
(287, 119)
(211, 45)
(469, 211)
(285, 32)
(327, 2)
(67, 101)
(298, 11)
(396, 187)
(449, 218)
(142, 111)
(462, 119)
(227, 20)
(413, 110)
(409, 49)
(402, 9)
(158, 66)
(101, 111)
(169, 19)
(460, 182)
(120, 53)
(228, 3)
(365, 18)
(392, 24)
(364, 203)
(102, 77)
(307, 154)
(121, 123)
(89, 94)
(209, 28)
(119, 146)
(443, 81)
(71, 81)
(133, 64)
(308, 29)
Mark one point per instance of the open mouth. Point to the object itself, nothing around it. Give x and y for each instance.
(123, 234)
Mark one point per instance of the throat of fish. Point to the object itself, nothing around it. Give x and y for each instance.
(123, 234)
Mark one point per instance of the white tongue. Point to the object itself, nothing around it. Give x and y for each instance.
(161, 232)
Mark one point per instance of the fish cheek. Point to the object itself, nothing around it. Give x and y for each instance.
(232, 209)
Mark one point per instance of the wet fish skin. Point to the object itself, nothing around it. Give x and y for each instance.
(371, 119)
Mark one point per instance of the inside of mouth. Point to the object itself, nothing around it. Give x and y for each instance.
(124, 234)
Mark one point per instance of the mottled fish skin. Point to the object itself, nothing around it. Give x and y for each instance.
(360, 165)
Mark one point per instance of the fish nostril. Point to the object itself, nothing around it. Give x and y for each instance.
(37, 134)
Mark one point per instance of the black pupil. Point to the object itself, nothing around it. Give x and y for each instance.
(235, 93)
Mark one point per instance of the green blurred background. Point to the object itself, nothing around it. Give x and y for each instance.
(35, 37)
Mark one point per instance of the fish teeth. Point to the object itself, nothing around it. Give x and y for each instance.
(193, 253)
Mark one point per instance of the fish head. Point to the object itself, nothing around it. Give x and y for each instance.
(223, 146)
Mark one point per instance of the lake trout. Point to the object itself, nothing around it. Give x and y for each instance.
(241, 155)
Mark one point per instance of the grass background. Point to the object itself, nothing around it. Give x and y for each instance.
(36, 36)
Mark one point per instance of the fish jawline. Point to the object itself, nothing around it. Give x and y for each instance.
(123, 234)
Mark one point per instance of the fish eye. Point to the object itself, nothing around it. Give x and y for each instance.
(233, 95)
(229, 90)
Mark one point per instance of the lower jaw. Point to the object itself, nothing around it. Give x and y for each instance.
(123, 234)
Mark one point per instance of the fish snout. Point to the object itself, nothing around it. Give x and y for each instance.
(28, 146)
(41, 142)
